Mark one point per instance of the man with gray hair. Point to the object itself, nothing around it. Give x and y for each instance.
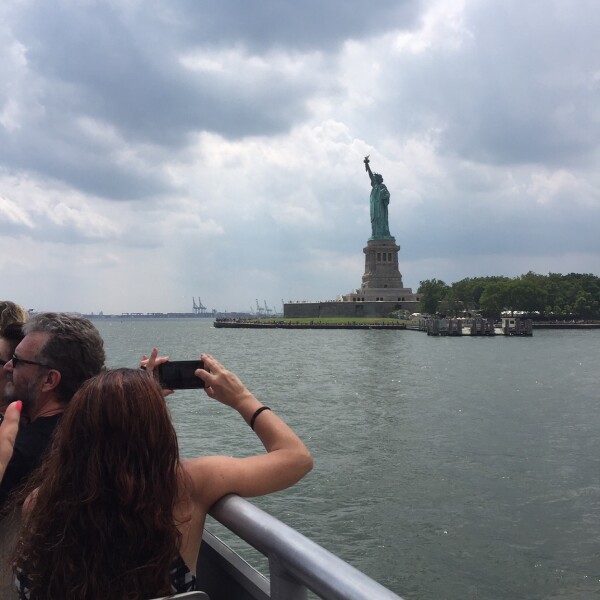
(58, 353)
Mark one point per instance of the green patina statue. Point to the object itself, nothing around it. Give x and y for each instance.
(380, 198)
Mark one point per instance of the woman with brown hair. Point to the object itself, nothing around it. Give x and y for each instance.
(114, 513)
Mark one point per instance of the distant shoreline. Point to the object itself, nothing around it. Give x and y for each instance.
(243, 322)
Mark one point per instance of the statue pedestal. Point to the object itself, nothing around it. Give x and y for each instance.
(381, 265)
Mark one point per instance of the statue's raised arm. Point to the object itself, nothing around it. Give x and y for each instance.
(368, 168)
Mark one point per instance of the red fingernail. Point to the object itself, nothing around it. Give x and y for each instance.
(19, 405)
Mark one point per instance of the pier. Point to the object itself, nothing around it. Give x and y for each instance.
(510, 326)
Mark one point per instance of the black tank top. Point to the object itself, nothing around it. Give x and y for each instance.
(182, 579)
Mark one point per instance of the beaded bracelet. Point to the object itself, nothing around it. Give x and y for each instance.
(258, 411)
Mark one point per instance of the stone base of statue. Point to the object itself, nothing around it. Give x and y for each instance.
(381, 264)
(382, 281)
(380, 294)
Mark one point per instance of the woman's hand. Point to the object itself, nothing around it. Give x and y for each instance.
(150, 363)
(223, 385)
(8, 433)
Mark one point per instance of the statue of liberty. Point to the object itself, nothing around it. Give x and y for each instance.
(380, 198)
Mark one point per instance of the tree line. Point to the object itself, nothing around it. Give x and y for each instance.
(552, 297)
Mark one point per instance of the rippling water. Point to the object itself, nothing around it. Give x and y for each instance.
(444, 467)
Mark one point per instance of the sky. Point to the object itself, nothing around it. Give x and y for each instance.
(152, 152)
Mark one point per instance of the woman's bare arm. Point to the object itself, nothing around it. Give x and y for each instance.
(286, 461)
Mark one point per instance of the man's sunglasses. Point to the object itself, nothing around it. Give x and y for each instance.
(17, 361)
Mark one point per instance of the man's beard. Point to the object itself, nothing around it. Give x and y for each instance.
(29, 395)
(8, 394)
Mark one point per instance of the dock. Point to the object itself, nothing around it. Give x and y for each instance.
(511, 326)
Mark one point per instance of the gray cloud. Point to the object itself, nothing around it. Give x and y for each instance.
(96, 61)
(520, 87)
(63, 156)
(128, 72)
(307, 25)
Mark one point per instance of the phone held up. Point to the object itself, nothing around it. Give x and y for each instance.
(179, 374)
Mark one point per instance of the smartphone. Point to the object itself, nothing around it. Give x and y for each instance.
(179, 374)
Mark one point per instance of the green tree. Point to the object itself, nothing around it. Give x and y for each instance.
(553, 295)
(495, 298)
(450, 305)
(432, 292)
(529, 293)
(468, 291)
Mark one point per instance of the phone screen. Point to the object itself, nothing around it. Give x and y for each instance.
(179, 374)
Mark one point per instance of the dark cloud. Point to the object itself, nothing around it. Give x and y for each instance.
(128, 72)
(84, 167)
(520, 87)
(124, 70)
(532, 98)
(307, 25)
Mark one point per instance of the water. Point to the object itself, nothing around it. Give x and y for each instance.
(444, 467)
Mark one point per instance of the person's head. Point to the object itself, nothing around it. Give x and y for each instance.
(378, 178)
(11, 313)
(58, 353)
(9, 339)
(107, 491)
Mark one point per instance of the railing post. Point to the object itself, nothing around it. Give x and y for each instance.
(284, 586)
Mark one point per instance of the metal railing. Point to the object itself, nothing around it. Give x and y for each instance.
(295, 562)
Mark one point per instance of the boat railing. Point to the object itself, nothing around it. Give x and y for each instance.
(296, 564)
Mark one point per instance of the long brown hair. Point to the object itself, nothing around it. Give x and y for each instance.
(102, 524)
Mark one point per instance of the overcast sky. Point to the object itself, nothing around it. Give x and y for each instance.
(153, 151)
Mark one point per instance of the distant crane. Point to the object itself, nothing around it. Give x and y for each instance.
(259, 309)
(268, 311)
(198, 308)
